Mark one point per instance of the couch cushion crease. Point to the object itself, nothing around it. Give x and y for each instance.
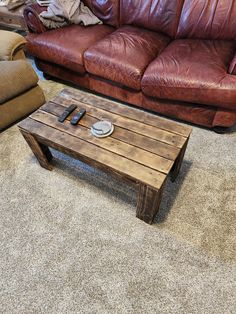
(123, 56)
(66, 46)
(177, 73)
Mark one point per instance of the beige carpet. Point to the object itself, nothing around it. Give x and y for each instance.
(70, 242)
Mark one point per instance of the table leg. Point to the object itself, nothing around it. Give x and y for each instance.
(41, 152)
(178, 162)
(148, 202)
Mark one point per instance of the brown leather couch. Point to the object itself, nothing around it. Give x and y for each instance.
(174, 57)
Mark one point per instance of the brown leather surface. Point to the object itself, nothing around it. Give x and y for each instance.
(232, 67)
(207, 116)
(63, 73)
(106, 10)
(208, 19)
(116, 91)
(158, 15)
(225, 118)
(197, 114)
(123, 56)
(31, 13)
(192, 80)
(66, 46)
(193, 71)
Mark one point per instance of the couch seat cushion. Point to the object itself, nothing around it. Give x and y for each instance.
(66, 46)
(16, 78)
(123, 56)
(193, 70)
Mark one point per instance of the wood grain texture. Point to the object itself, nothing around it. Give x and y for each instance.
(178, 162)
(152, 145)
(41, 152)
(110, 144)
(128, 123)
(90, 153)
(143, 148)
(148, 203)
(13, 18)
(129, 112)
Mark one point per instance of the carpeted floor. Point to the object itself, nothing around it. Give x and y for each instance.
(70, 242)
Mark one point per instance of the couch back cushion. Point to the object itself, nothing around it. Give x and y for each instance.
(107, 11)
(208, 19)
(158, 15)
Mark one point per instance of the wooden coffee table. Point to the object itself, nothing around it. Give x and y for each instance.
(144, 148)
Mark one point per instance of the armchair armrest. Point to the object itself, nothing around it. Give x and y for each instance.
(11, 46)
(232, 67)
(31, 15)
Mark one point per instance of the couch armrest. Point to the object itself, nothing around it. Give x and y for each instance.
(31, 15)
(232, 67)
(11, 46)
(16, 78)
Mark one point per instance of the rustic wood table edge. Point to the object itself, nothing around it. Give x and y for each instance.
(41, 130)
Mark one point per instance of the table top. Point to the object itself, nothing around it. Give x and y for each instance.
(143, 146)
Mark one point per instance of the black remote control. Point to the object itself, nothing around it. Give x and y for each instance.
(79, 115)
(66, 113)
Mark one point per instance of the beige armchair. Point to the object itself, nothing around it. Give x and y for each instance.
(19, 91)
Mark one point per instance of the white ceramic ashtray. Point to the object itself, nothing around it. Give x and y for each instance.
(102, 128)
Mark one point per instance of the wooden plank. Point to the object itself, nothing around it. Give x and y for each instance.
(148, 203)
(126, 150)
(126, 123)
(178, 162)
(120, 148)
(126, 111)
(129, 137)
(91, 154)
(41, 152)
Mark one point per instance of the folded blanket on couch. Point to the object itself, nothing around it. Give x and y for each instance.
(64, 12)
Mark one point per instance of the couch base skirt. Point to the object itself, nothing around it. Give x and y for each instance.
(202, 115)
(207, 116)
(63, 73)
(20, 106)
